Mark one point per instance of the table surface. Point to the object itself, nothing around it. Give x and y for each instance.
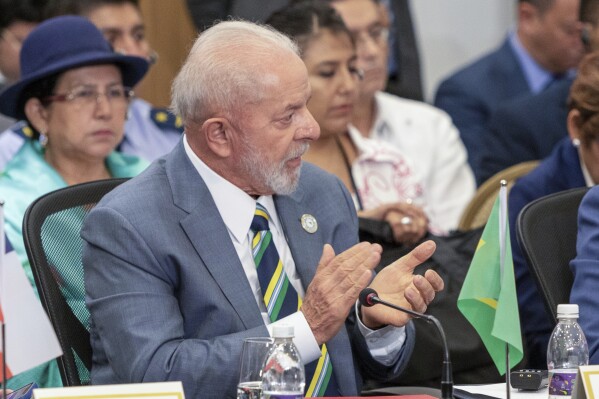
(498, 391)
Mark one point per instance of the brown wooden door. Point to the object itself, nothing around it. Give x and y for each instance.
(171, 33)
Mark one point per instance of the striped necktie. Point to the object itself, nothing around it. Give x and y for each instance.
(281, 300)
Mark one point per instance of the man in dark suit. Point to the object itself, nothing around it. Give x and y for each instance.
(545, 47)
(524, 129)
(529, 127)
(170, 275)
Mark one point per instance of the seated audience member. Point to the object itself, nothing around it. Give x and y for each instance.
(17, 19)
(149, 132)
(433, 155)
(377, 176)
(528, 128)
(74, 92)
(375, 173)
(585, 268)
(404, 61)
(573, 163)
(544, 48)
(175, 303)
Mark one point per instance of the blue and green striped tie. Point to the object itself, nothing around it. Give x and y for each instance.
(281, 300)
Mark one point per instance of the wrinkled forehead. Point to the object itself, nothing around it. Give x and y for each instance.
(281, 86)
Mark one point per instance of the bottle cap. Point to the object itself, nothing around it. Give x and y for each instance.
(567, 311)
(282, 331)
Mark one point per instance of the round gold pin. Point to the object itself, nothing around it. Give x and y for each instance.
(309, 223)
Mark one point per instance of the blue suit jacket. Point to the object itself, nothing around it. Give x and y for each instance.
(472, 94)
(585, 268)
(168, 296)
(558, 172)
(525, 129)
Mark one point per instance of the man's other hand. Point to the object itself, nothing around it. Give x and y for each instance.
(397, 284)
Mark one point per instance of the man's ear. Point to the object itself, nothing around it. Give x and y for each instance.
(574, 125)
(218, 133)
(527, 17)
(37, 115)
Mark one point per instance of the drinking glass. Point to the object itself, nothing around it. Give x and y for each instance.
(253, 356)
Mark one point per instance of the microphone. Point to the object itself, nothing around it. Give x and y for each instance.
(369, 297)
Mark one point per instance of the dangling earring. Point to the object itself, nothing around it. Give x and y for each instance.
(576, 142)
(43, 140)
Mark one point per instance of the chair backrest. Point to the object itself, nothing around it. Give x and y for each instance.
(478, 210)
(546, 231)
(51, 229)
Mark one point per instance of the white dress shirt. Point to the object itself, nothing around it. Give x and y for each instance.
(237, 211)
(432, 147)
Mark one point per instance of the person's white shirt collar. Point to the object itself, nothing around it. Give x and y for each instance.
(235, 206)
(588, 179)
(237, 210)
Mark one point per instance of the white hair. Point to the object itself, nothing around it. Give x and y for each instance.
(225, 68)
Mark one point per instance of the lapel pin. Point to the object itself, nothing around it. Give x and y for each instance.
(309, 223)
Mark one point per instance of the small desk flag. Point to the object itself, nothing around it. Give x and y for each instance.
(488, 297)
(30, 339)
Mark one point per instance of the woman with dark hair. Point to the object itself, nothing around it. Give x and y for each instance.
(376, 174)
(74, 92)
(379, 177)
(574, 162)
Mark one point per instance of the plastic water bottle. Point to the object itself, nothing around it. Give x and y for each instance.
(283, 374)
(567, 350)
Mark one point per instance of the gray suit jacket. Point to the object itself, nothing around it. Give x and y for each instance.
(167, 293)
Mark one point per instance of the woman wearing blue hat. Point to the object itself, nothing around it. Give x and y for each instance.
(74, 92)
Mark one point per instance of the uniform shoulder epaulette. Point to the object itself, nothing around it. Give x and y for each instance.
(22, 129)
(164, 119)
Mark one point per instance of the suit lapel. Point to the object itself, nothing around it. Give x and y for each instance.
(510, 67)
(209, 236)
(305, 247)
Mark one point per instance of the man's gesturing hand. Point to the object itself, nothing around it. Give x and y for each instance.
(336, 286)
(397, 284)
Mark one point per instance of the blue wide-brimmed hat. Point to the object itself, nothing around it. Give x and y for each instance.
(64, 43)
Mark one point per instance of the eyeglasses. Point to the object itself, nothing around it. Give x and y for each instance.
(376, 33)
(88, 96)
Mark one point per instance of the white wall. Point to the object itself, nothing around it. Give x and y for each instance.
(451, 33)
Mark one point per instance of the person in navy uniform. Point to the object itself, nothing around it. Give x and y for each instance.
(149, 132)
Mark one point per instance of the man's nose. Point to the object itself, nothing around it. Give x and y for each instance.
(310, 129)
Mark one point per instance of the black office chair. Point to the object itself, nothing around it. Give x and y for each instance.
(51, 229)
(546, 232)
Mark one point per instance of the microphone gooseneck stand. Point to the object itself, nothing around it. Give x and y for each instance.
(369, 297)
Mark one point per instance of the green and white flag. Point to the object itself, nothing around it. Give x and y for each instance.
(488, 297)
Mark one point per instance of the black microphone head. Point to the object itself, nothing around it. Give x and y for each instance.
(366, 296)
